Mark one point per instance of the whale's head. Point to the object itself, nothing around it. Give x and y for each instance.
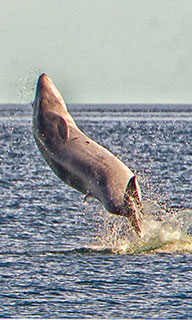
(47, 97)
(51, 120)
(48, 105)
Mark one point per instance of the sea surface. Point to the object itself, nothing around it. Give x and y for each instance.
(62, 258)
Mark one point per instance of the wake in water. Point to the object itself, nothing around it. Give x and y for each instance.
(162, 232)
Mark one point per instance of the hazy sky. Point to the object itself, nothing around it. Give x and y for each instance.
(118, 51)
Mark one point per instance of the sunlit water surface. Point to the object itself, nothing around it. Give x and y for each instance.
(62, 258)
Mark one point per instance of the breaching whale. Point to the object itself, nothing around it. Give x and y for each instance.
(79, 161)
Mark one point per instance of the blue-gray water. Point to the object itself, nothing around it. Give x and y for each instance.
(60, 258)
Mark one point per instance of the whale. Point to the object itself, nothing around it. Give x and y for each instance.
(81, 162)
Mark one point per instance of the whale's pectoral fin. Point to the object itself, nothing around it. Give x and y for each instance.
(54, 128)
(63, 129)
(132, 204)
(87, 196)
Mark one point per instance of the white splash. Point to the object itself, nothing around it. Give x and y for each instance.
(161, 232)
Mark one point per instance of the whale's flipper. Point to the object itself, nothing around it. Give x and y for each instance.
(132, 204)
(53, 128)
(87, 196)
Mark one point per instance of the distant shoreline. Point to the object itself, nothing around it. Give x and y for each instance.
(113, 107)
(108, 111)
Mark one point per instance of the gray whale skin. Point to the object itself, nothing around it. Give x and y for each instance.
(81, 162)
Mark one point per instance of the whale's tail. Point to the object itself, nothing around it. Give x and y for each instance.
(133, 205)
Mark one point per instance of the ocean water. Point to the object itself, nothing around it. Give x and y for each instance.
(61, 258)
